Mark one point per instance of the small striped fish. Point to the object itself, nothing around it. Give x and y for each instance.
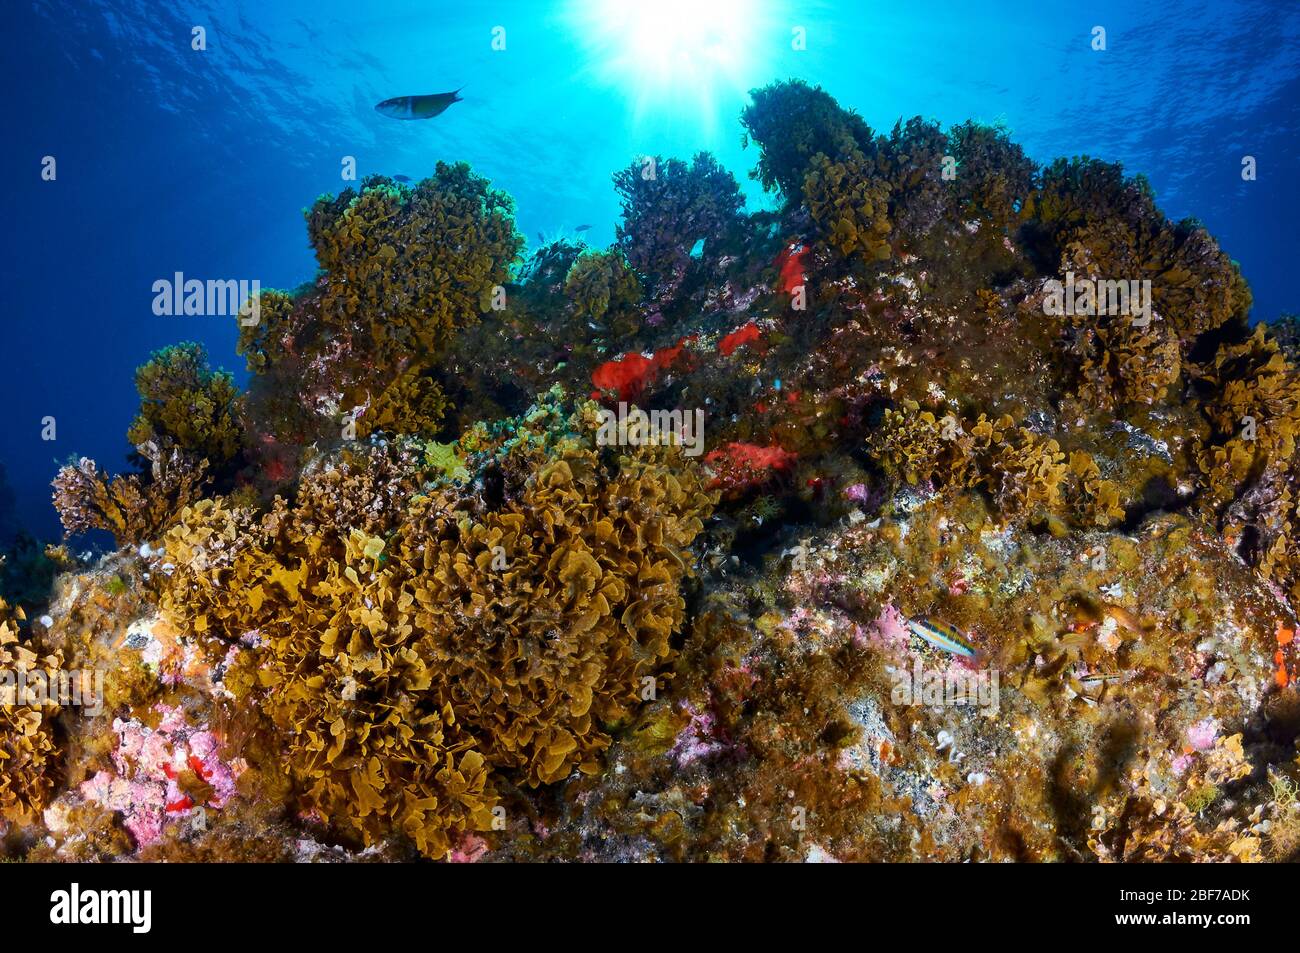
(1099, 677)
(942, 636)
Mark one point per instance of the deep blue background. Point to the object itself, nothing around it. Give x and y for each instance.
(173, 160)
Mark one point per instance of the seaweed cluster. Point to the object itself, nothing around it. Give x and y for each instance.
(28, 749)
(189, 429)
(669, 209)
(186, 407)
(403, 269)
(409, 651)
(134, 508)
(1021, 473)
(604, 291)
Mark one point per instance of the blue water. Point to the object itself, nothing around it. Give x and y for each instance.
(171, 159)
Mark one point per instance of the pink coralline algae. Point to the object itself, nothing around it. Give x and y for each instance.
(470, 850)
(890, 631)
(1202, 734)
(148, 765)
(694, 742)
(857, 492)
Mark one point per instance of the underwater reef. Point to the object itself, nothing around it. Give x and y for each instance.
(948, 512)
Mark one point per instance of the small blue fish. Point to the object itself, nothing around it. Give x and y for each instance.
(418, 107)
(942, 636)
(401, 178)
(582, 228)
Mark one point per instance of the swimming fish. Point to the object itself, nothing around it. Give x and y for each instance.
(401, 178)
(582, 228)
(1123, 617)
(418, 107)
(942, 636)
(1099, 677)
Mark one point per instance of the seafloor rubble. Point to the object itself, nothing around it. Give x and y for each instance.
(404, 597)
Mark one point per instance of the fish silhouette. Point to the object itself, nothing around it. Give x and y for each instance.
(418, 107)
